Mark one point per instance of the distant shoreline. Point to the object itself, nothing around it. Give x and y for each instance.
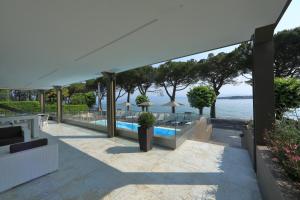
(236, 97)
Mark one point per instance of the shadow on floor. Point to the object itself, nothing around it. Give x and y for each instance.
(80, 137)
(226, 137)
(81, 176)
(122, 149)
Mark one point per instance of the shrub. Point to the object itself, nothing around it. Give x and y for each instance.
(146, 119)
(67, 108)
(34, 106)
(284, 142)
(141, 99)
(50, 107)
(287, 95)
(25, 106)
(75, 108)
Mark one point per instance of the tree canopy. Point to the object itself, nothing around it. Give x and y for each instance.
(51, 95)
(77, 88)
(287, 53)
(87, 98)
(99, 86)
(200, 97)
(141, 99)
(175, 76)
(145, 78)
(128, 82)
(90, 99)
(217, 71)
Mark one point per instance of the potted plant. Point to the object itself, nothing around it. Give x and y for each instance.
(146, 121)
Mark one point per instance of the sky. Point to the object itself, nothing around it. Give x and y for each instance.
(290, 19)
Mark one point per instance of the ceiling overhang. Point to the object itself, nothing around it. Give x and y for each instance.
(58, 42)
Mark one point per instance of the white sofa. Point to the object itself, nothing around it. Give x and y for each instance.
(23, 166)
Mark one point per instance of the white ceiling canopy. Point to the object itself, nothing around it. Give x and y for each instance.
(57, 42)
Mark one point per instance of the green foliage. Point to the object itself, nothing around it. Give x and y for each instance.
(77, 88)
(145, 78)
(91, 84)
(67, 108)
(284, 142)
(287, 95)
(90, 99)
(287, 53)
(141, 99)
(65, 92)
(78, 98)
(127, 80)
(75, 108)
(200, 97)
(243, 57)
(286, 58)
(146, 119)
(51, 96)
(218, 70)
(175, 76)
(25, 106)
(51, 108)
(4, 95)
(34, 106)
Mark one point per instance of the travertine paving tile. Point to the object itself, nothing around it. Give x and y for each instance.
(92, 166)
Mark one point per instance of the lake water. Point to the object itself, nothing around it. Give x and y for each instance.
(225, 108)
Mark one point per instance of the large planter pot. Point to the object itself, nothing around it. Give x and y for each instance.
(145, 138)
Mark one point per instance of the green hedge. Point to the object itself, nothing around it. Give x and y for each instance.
(25, 106)
(34, 106)
(75, 108)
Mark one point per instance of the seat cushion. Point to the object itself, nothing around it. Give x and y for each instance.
(28, 145)
(10, 132)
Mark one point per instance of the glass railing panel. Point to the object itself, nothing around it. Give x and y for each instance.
(89, 117)
(100, 118)
(184, 121)
(168, 125)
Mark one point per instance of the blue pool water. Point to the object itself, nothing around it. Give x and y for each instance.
(158, 131)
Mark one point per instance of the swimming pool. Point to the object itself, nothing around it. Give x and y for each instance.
(158, 131)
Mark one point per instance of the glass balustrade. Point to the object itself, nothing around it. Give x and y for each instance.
(167, 125)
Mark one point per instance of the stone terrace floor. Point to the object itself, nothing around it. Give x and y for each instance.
(92, 166)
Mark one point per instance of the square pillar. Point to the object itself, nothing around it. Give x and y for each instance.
(42, 100)
(59, 111)
(263, 82)
(111, 103)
